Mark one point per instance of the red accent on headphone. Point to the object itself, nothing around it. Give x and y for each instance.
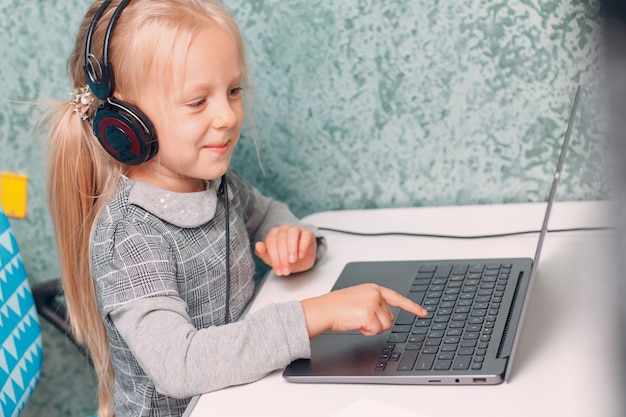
(107, 122)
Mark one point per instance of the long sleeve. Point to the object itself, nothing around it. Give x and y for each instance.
(183, 361)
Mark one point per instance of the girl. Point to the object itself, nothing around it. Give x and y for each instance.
(154, 230)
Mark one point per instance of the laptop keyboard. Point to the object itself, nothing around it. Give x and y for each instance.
(463, 302)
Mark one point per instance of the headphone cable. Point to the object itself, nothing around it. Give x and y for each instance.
(223, 192)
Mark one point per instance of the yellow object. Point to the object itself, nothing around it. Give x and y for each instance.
(14, 194)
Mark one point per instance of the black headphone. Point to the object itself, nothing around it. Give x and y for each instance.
(124, 131)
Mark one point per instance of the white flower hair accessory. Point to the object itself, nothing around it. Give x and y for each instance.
(81, 99)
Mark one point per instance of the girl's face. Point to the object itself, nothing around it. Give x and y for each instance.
(198, 126)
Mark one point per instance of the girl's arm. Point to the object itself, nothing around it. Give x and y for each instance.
(183, 361)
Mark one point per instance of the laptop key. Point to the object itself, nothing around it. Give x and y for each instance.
(422, 323)
(425, 361)
(466, 351)
(433, 341)
(401, 328)
(460, 269)
(468, 343)
(404, 318)
(443, 271)
(407, 360)
(417, 338)
(461, 363)
(397, 337)
(417, 297)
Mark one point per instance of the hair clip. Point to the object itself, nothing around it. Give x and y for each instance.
(81, 99)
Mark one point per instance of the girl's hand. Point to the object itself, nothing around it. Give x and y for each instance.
(288, 249)
(363, 307)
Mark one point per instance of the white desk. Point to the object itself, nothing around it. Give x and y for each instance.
(559, 369)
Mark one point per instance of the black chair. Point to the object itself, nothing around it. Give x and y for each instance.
(51, 306)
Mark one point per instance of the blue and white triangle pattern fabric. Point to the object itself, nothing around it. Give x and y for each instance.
(20, 335)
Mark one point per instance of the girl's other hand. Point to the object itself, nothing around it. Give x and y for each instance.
(288, 249)
(363, 307)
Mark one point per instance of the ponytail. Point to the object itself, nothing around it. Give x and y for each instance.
(80, 180)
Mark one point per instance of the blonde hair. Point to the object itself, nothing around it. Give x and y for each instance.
(146, 42)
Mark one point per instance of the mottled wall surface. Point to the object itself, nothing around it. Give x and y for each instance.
(35, 40)
(361, 103)
(401, 103)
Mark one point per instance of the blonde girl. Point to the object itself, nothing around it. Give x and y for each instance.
(156, 253)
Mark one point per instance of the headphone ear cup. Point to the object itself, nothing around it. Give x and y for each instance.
(125, 132)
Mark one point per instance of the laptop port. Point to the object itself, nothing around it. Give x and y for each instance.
(479, 380)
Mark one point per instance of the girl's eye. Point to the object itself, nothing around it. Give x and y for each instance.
(235, 92)
(197, 103)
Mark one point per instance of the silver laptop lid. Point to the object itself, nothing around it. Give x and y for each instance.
(544, 227)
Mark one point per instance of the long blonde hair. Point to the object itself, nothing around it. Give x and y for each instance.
(82, 177)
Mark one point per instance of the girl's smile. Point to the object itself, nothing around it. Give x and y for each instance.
(218, 148)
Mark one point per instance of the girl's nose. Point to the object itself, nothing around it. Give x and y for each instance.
(224, 116)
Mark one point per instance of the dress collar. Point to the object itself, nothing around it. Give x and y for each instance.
(186, 210)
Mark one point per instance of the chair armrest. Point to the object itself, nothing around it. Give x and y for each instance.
(49, 306)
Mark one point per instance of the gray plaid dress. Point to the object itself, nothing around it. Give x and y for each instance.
(158, 259)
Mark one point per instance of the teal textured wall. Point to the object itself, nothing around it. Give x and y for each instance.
(361, 103)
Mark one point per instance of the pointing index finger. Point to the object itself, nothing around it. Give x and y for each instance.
(394, 299)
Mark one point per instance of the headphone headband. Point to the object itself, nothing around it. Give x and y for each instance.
(123, 130)
(99, 76)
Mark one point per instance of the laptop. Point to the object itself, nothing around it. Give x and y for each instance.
(476, 311)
